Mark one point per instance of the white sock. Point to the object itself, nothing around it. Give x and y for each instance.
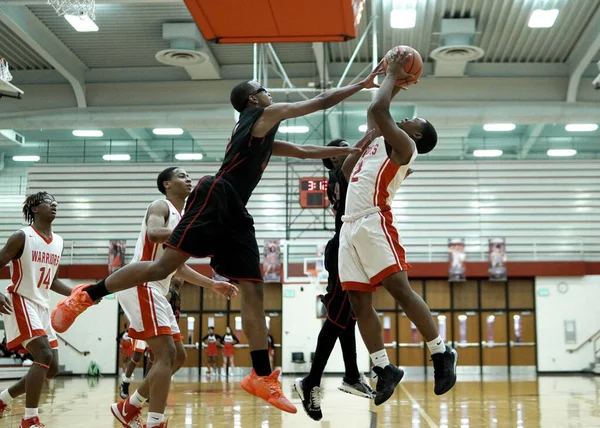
(5, 396)
(30, 413)
(155, 419)
(136, 399)
(436, 346)
(380, 358)
(126, 379)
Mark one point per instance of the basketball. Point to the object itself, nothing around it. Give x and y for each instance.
(414, 66)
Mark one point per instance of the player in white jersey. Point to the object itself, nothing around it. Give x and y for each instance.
(151, 318)
(370, 251)
(34, 253)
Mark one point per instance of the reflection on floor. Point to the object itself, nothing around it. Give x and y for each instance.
(548, 401)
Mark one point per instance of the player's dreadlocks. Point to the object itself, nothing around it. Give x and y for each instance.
(33, 201)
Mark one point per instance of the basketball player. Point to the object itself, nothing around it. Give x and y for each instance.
(147, 309)
(139, 348)
(229, 341)
(34, 253)
(212, 342)
(369, 225)
(216, 223)
(339, 323)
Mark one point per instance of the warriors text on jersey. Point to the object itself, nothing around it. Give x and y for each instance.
(147, 251)
(32, 274)
(374, 181)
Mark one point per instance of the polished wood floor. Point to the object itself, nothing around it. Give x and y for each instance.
(549, 402)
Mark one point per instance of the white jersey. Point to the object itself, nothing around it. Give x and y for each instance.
(32, 274)
(374, 181)
(147, 251)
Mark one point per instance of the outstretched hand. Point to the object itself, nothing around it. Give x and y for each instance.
(225, 289)
(369, 82)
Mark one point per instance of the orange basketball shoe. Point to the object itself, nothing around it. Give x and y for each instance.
(31, 423)
(3, 408)
(127, 414)
(269, 389)
(69, 308)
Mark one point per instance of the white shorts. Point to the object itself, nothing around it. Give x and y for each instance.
(27, 321)
(149, 313)
(370, 251)
(139, 346)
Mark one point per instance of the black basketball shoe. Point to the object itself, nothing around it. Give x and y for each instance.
(444, 370)
(387, 380)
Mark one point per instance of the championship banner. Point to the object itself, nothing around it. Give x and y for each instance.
(456, 258)
(116, 255)
(497, 253)
(271, 261)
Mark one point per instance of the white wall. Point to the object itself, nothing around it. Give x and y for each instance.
(94, 331)
(578, 303)
(300, 330)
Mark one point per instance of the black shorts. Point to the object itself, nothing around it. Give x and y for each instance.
(216, 224)
(337, 301)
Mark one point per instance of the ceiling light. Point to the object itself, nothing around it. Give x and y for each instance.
(561, 152)
(26, 158)
(495, 127)
(487, 153)
(82, 23)
(541, 18)
(403, 18)
(167, 131)
(88, 133)
(116, 157)
(189, 156)
(581, 127)
(302, 129)
(362, 128)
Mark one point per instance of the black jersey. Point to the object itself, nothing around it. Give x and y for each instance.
(246, 156)
(175, 303)
(337, 187)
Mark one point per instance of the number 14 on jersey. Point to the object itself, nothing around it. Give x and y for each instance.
(44, 277)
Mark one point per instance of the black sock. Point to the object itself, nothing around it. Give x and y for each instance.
(97, 291)
(325, 344)
(348, 343)
(260, 362)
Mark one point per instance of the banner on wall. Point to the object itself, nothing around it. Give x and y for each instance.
(116, 255)
(497, 255)
(271, 260)
(456, 258)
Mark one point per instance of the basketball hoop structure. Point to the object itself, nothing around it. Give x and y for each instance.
(7, 89)
(74, 7)
(314, 269)
(4, 71)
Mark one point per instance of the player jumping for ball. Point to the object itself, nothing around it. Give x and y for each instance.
(370, 251)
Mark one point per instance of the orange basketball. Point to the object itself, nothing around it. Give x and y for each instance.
(414, 66)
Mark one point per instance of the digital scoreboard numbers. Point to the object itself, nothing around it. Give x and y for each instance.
(313, 192)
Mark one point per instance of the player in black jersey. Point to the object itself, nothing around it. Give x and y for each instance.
(339, 324)
(216, 223)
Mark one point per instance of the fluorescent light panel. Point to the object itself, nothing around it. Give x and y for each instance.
(541, 18)
(403, 18)
(561, 152)
(88, 133)
(302, 129)
(167, 131)
(496, 127)
(122, 157)
(487, 153)
(189, 156)
(581, 127)
(82, 23)
(26, 158)
(362, 128)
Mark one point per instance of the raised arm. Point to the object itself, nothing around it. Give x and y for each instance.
(277, 112)
(12, 250)
(190, 275)
(401, 143)
(291, 150)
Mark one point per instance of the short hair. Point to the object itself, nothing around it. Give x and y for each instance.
(335, 143)
(33, 201)
(165, 175)
(428, 139)
(239, 95)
